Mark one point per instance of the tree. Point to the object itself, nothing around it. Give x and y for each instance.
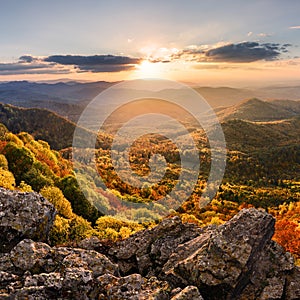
(20, 160)
(286, 235)
(36, 176)
(3, 162)
(56, 197)
(7, 179)
(60, 231)
(80, 205)
(80, 229)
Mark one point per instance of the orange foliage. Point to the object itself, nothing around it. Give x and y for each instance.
(287, 234)
(2, 145)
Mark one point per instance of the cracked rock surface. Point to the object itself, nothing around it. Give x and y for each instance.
(237, 260)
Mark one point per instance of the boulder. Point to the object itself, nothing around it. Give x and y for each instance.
(147, 251)
(174, 260)
(23, 215)
(236, 260)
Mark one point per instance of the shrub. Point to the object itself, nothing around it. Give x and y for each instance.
(56, 197)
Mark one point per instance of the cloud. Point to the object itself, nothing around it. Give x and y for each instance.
(244, 52)
(263, 34)
(294, 27)
(26, 65)
(27, 58)
(65, 64)
(96, 63)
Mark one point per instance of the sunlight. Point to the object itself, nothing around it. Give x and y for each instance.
(148, 69)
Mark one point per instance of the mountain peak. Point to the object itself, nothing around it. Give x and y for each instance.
(255, 109)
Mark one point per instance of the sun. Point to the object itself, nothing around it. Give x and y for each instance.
(148, 69)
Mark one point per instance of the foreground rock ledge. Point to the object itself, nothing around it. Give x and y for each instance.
(237, 260)
(23, 215)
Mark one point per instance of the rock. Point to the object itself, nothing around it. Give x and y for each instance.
(29, 255)
(188, 293)
(270, 273)
(221, 265)
(46, 273)
(147, 251)
(293, 285)
(237, 260)
(92, 243)
(133, 287)
(23, 215)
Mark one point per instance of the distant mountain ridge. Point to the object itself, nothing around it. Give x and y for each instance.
(41, 123)
(252, 123)
(250, 136)
(69, 98)
(258, 110)
(65, 98)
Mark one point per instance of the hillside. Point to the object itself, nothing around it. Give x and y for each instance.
(65, 98)
(248, 136)
(262, 170)
(41, 123)
(258, 110)
(69, 98)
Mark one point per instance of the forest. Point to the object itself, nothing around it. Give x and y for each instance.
(262, 171)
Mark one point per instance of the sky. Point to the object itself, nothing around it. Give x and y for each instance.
(199, 42)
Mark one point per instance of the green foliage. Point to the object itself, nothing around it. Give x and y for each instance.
(60, 231)
(56, 197)
(257, 196)
(80, 205)
(20, 160)
(43, 123)
(80, 228)
(38, 176)
(144, 215)
(88, 187)
(108, 227)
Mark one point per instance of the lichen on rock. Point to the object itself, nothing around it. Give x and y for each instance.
(174, 260)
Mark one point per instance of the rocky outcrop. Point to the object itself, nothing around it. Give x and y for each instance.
(237, 260)
(23, 215)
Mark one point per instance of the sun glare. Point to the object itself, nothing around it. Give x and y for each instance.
(148, 69)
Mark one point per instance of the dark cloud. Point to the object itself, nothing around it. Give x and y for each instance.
(27, 58)
(64, 64)
(31, 65)
(105, 68)
(244, 52)
(17, 68)
(96, 63)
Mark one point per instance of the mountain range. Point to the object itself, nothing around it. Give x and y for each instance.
(250, 123)
(70, 98)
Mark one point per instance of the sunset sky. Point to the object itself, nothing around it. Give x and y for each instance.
(200, 42)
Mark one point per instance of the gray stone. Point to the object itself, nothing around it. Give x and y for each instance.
(237, 260)
(188, 293)
(23, 215)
